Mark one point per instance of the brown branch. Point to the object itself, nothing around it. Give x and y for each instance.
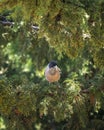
(8, 23)
(87, 91)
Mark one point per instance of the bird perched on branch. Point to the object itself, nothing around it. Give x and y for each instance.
(52, 72)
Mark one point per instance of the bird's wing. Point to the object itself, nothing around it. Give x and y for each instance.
(58, 69)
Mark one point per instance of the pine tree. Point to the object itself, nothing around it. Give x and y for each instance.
(32, 33)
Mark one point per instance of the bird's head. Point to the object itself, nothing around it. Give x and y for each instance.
(52, 64)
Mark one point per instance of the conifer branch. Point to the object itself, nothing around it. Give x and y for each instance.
(74, 4)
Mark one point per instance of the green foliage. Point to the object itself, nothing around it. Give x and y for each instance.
(71, 32)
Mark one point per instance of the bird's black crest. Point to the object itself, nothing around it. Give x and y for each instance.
(52, 64)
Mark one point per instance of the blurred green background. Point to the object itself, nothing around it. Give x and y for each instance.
(32, 33)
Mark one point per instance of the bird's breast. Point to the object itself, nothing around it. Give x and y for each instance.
(52, 75)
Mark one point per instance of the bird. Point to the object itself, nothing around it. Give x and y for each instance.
(52, 72)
